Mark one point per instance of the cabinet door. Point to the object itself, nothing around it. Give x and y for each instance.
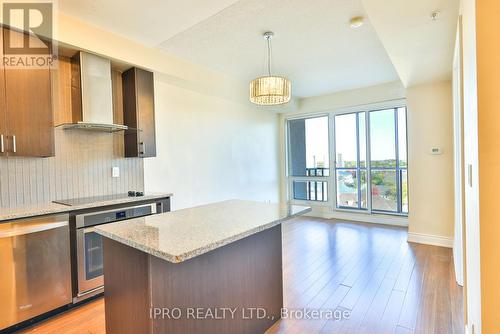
(139, 113)
(29, 110)
(3, 115)
(146, 113)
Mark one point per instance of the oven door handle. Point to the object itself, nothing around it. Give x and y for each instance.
(14, 232)
(80, 218)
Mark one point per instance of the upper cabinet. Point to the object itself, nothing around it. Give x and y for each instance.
(28, 128)
(139, 113)
(82, 92)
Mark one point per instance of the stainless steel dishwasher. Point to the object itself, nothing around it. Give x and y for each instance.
(35, 270)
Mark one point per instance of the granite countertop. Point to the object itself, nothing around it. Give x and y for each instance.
(53, 208)
(181, 235)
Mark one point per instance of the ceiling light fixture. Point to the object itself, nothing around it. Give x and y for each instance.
(270, 90)
(357, 22)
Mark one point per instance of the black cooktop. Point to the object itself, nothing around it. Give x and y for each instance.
(96, 199)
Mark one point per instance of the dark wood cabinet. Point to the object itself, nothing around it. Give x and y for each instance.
(139, 113)
(28, 109)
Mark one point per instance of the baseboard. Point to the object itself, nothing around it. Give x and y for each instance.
(361, 217)
(429, 239)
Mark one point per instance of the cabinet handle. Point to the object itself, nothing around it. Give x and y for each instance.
(469, 176)
(143, 148)
(2, 147)
(14, 146)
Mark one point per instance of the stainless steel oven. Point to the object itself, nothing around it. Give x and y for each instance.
(89, 251)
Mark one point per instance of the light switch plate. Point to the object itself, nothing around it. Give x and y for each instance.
(115, 172)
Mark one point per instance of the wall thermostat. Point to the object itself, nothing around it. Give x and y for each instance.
(436, 151)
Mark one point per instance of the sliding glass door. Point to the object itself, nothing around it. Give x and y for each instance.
(388, 161)
(382, 168)
(350, 161)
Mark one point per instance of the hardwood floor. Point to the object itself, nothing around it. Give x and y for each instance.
(87, 319)
(385, 284)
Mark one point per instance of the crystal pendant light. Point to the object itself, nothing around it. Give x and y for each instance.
(270, 90)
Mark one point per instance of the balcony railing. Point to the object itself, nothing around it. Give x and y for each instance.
(317, 171)
(310, 190)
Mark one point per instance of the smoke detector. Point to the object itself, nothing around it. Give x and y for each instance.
(435, 15)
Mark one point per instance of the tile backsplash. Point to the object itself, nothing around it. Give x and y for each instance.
(81, 168)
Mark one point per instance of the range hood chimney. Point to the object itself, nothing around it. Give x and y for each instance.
(92, 94)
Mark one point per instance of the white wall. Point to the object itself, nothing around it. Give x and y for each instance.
(212, 144)
(211, 149)
(430, 123)
(351, 98)
(431, 192)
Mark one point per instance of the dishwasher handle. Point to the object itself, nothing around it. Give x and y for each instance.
(18, 231)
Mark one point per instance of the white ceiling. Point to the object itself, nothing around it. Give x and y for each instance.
(421, 49)
(314, 45)
(149, 22)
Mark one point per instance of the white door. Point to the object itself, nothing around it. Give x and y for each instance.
(473, 265)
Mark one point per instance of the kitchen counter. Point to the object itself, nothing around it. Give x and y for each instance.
(181, 235)
(220, 256)
(53, 208)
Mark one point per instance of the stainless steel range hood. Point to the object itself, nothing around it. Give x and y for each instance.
(92, 94)
(95, 127)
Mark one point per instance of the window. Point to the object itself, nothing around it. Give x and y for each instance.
(309, 158)
(370, 169)
(309, 154)
(350, 160)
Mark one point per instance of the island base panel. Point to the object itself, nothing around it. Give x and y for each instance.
(126, 296)
(240, 283)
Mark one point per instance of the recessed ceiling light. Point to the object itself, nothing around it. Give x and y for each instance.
(357, 22)
(435, 15)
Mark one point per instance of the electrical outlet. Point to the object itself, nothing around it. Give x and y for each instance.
(115, 172)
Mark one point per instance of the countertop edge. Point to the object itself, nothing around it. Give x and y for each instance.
(55, 208)
(179, 258)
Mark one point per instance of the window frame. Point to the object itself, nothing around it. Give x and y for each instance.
(292, 179)
(331, 179)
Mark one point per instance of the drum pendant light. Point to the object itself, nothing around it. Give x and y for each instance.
(270, 90)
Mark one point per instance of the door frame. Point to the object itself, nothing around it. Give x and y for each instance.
(458, 246)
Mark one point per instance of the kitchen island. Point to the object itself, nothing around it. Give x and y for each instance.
(215, 268)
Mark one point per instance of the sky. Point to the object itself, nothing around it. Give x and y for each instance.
(382, 132)
(317, 141)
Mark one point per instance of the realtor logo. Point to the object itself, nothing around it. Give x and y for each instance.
(29, 34)
(33, 18)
